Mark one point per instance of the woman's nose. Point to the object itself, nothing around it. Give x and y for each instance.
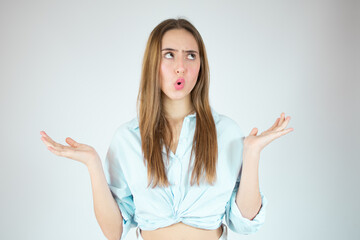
(180, 66)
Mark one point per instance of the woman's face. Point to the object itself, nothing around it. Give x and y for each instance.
(180, 64)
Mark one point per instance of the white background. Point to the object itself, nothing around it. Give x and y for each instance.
(72, 68)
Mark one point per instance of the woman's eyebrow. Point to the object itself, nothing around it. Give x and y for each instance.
(175, 50)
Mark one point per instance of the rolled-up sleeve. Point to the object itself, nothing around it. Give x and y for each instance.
(239, 224)
(118, 185)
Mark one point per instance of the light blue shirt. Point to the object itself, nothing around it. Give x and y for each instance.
(201, 206)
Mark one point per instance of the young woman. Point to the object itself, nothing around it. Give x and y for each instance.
(178, 168)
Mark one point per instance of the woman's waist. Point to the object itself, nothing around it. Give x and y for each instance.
(181, 231)
(148, 222)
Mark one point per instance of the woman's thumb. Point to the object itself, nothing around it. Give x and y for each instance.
(254, 131)
(71, 142)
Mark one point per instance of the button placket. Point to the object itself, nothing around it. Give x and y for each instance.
(182, 139)
(177, 169)
(177, 166)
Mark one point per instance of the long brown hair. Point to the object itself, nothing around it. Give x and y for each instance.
(154, 127)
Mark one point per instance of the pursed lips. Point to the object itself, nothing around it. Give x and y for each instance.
(180, 80)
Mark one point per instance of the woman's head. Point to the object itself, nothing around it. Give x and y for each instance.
(157, 81)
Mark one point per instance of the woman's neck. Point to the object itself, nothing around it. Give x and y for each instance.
(176, 110)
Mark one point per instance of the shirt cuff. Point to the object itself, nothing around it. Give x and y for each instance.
(128, 222)
(238, 223)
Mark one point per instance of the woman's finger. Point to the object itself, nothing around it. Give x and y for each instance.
(274, 125)
(285, 123)
(53, 150)
(46, 142)
(283, 132)
(47, 138)
(282, 117)
(72, 142)
(53, 144)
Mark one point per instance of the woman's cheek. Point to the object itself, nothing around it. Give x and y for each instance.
(194, 74)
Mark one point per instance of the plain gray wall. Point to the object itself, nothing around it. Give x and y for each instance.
(72, 68)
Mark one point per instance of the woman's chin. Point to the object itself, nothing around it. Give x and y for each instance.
(175, 97)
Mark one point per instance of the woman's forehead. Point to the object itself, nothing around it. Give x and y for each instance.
(179, 39)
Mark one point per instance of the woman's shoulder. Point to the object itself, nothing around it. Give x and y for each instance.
(228, 125)
(127, 128)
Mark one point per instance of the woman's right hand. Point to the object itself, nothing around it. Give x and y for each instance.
(77, 151)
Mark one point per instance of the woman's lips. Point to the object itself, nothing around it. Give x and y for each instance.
(179, 84)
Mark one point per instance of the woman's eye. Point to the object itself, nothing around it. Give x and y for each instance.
(168, 55)
(192, 56)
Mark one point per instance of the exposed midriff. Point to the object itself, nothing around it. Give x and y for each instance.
(181, 231)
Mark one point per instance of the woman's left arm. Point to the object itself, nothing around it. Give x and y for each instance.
(248, 198)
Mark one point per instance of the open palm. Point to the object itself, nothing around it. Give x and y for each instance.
(77, 151)
(256, 142)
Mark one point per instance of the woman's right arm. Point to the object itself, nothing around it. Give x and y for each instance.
(106, 209)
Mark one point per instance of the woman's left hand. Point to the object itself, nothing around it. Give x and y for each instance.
(255, 144)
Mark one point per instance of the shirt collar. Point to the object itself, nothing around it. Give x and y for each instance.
(135, 122)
